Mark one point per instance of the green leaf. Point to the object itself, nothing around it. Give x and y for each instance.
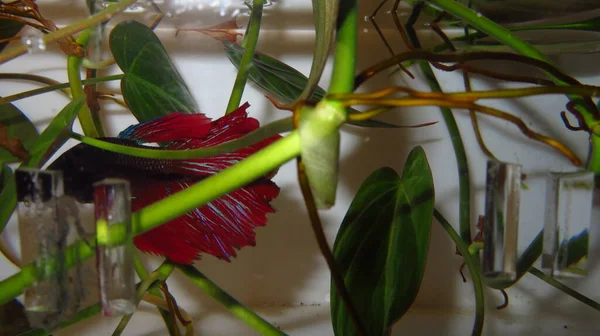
(283, 81)
(18, 126)
(381, 247)
(325, 16)
(320, 150)
(51, 139)
(55, 135)
(152, 86)
(7, 195)
(8, 29)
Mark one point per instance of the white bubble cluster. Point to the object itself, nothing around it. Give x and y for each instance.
(220, 7)
(33, 42)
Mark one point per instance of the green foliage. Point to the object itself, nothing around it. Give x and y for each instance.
(381, 247)
(320, 150)
(55, 135)
(18, 126)
(152, 86)
(7, 195)
(284, 81)
(325, 16)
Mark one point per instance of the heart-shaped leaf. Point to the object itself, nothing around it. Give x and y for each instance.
(18, 127)
(152, 86)
(283, 81)
(8, 29)
(381, 247)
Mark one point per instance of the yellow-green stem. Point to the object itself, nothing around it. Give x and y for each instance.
(56, 35)
(250, 41)
(89, 123)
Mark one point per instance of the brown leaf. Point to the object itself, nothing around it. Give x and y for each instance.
(226, 31)
(12, 144)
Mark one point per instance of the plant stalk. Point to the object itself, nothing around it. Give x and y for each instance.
(229, 302)
(236, 176)
(102, 16)
(250, 41)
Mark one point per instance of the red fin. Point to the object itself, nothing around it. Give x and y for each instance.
(230, 127)
(174, 126)
(218, 228)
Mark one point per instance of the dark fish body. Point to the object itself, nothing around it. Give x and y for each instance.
(218, 228)
(83, 165)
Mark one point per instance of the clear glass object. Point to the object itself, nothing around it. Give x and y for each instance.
(43, 242)
(569, 215)
(112, 203)
(501, 223)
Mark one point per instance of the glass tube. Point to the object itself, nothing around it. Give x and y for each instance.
(43, 242)
(501, 223)
(112, 203)
(569, 206)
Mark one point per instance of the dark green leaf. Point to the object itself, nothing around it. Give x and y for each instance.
(13, 320)
(7, 195)
(285, 82)
(55, 135)
(325, 17)
(8, 29)
(51, 139)
(152, 86)
(18, 126)
(381, 247)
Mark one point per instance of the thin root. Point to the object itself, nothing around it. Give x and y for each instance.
(573, 110)
(505, 304)
(382, 37)
(474, 120)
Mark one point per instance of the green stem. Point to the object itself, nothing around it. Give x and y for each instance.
(87, 312)
(594, 156)
(29, 77)
(250, 41)
(236, 176)
(344, 61)
(504, 36)
(89, 123)
(464, 183)
(473, 265)
(230, 303)
(102, 16)
(60, 86)
(161, 274)
(267, 131)
(142, 273)
(564, 288)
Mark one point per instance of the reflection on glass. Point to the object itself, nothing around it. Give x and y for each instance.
(112, 203)
(43, 243)
(501, 224)
(569, 206)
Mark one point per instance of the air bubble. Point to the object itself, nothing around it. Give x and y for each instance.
(366, 18)
(138, 7)
(34, 43)
(366, 30)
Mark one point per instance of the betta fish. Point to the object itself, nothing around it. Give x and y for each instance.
(217, 228)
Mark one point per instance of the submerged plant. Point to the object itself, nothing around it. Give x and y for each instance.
(203, 186)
